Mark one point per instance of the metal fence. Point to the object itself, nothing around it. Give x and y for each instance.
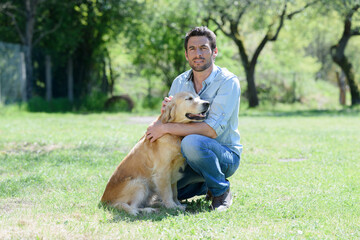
(12, 73)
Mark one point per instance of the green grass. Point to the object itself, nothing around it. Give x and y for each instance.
(298, 179)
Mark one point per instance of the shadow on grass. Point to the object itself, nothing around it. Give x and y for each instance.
(192, 207)
(352, 112)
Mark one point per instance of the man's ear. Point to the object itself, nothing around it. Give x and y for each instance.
(169, 113)
(215, 53)
(186, 56)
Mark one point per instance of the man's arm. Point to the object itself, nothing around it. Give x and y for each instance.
(158, 129)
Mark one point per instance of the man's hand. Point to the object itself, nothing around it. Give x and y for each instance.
(165, 102)
(155, 131)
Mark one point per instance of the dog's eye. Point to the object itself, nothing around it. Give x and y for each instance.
(190, 99)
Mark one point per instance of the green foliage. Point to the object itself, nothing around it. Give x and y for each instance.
(79, 30)
(153, 103)
(144, 41)
(156, 38)
(38, 104)
(94, 102)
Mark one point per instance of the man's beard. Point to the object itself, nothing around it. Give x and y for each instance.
(203, 67)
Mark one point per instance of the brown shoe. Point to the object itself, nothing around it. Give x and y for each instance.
(209, 196)
(222, 202)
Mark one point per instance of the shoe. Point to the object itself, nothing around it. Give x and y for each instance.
(222, 202)
(209, 196)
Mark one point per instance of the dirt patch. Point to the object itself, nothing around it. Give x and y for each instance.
(292, 159)
(25, 147)
(10, 205)
(140, 120)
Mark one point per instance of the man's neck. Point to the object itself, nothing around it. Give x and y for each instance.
(199, 77)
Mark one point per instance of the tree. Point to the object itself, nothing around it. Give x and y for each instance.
(25, 18)
(73, 33)
(156, 38)
(269, 17)
(348, 9)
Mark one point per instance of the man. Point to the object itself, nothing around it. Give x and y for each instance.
(211, 148)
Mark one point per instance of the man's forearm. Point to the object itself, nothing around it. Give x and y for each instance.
(181, 129)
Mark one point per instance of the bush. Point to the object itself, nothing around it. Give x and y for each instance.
(94, 102)
(38, 104)
(152, 103)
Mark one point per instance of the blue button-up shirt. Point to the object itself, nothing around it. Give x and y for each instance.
(222, 90)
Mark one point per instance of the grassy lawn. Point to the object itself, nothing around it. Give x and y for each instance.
(299, 178)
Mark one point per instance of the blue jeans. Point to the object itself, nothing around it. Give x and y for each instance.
(208, 165)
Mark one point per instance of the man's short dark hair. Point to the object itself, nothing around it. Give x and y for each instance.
(201, 31)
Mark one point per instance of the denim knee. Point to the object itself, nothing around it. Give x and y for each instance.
(192, 146)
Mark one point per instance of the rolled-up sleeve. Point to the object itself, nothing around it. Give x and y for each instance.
(223, 105)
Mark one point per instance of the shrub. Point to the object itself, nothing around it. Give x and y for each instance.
(38, 104)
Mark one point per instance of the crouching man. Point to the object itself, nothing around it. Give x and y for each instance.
(211, 148)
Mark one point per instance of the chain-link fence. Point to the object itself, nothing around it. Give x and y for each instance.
(12, 73)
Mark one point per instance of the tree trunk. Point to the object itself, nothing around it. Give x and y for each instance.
(342, 87)
(29, 72)
(252, 93)
(347, 67)
(48, 77)
(104, 81)
(23, 77)
(338, 56)
(249, 68)
(70, 77)
(29, 33)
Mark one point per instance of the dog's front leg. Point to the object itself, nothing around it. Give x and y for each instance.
(175, 193)
(175, 197)
(164, 189)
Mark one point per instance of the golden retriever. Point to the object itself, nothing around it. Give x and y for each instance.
(152, 169)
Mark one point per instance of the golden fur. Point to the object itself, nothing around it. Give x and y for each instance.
(153, 168)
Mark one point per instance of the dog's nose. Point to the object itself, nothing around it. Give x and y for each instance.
(206, 104)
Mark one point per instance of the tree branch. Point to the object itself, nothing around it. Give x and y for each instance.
(220, 26)
(12, 16)
(239, 43)
(258, 50)
(43, 34)
(291, 15)
(355, 32)
(9, 6)
(241, 13)
(348, 22)
(352, 11)
(281, 24)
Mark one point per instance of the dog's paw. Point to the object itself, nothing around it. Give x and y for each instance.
(133, 212)
(149, 210)
(171, 204)
(182, 207)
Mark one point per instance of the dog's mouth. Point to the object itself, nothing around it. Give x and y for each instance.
(198, 117)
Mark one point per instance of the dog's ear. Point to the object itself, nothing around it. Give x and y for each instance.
(169, 113)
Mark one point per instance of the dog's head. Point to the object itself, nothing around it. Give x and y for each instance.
(185, 107)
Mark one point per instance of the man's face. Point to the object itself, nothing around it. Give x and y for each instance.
(199, 54)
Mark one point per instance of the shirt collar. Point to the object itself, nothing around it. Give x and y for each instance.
(212, 75)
